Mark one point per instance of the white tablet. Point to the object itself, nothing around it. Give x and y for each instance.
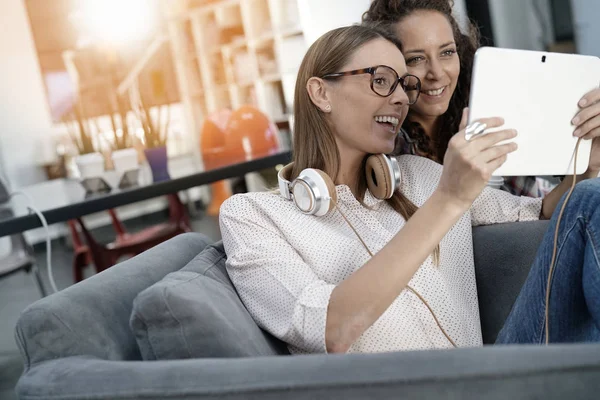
(537, 94)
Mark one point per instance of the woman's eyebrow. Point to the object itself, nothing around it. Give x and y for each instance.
(423, 51)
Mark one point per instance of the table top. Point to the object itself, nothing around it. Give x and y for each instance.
(74, 202)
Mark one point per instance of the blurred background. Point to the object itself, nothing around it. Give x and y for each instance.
(125, 77)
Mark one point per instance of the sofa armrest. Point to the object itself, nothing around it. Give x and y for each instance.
(92, 317)
(495, 372)
(503, 256)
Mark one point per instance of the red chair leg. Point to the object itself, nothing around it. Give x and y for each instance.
(79, 263)
(116, 223)
(178, 213)
(82, 256)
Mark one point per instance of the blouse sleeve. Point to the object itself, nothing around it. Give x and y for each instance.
(281, 292)
(495, 206)
(421, 176)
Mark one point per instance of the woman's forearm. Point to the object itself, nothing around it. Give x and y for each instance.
(551, 200)
(363, 297)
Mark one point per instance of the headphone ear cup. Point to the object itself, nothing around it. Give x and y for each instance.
(314, 192)
(380, 176)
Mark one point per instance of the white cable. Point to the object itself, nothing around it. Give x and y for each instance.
(48, 245)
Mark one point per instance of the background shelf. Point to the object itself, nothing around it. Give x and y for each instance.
(238, 52)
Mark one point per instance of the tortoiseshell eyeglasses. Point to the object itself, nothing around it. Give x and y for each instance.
(385, 80)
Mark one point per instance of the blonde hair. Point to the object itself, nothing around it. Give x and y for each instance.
(314, 141)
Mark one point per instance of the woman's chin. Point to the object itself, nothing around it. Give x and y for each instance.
(433, 110)
(384, 148)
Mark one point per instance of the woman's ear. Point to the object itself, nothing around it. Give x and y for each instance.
(317, 91)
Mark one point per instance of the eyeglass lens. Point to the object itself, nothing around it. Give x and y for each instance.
(384, 83)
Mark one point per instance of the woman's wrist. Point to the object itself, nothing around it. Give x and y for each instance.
(449, 203)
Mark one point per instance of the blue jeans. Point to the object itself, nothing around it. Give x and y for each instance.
(574, 311)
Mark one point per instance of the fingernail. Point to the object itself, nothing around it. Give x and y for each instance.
(583, 102)
(575, 121)
(577, 132)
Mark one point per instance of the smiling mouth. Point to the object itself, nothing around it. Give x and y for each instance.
(434, 93)
(389, 121)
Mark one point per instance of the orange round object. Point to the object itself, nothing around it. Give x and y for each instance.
(212, 139)
(249, 134)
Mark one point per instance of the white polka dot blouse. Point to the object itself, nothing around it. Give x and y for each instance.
(285, 264)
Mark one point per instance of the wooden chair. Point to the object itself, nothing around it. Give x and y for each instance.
(125, 243)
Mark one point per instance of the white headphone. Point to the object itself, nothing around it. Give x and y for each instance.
(314, 193)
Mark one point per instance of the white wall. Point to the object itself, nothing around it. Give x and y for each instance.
(586, 16)
(517, 23)
(320, 16)
(25, 121)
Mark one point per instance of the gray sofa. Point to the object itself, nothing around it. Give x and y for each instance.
(91, 340)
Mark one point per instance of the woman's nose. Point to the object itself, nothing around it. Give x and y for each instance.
(399, 96)
(435, 70)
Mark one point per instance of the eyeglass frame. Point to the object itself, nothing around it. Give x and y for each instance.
(371, 71)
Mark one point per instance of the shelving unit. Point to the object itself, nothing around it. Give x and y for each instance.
(230, 53)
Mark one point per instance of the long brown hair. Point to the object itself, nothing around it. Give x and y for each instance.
(386, 13)
(314, 141)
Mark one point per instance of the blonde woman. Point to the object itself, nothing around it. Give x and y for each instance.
(364, 253)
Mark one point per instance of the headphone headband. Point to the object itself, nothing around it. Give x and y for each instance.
(284, 183)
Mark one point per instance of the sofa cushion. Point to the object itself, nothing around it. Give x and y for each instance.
(91, 318)
(196, 312)
(504, 254)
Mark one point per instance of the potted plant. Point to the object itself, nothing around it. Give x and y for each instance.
(124, 155)
(89, 161)
(155, 138)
